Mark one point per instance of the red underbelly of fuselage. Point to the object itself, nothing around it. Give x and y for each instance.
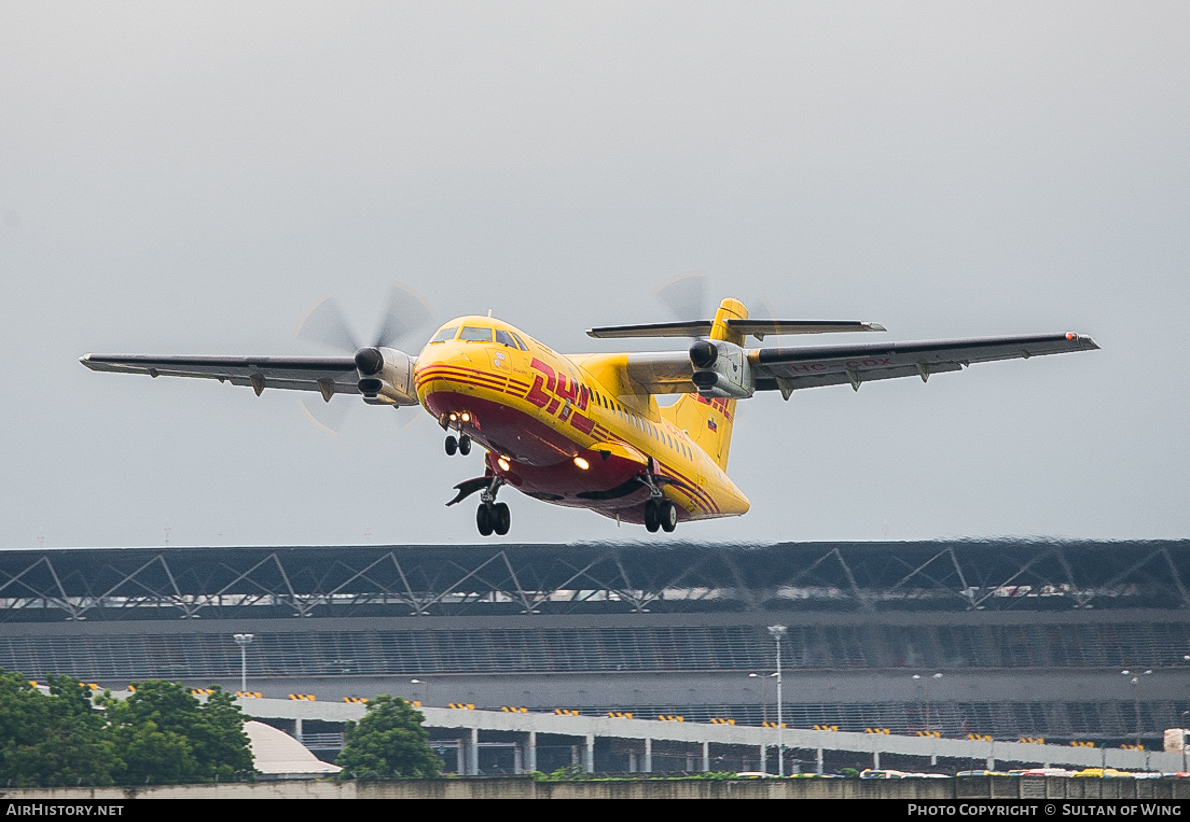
(541, 459)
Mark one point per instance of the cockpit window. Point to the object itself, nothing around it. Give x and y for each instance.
(520, 343)
(473, 334)
(504, 338)
(445, 334)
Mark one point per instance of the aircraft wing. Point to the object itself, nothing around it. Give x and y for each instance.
(327, 375)
(789, 369)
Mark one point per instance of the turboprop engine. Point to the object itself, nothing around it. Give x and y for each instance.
(721, 369)
(386, 376)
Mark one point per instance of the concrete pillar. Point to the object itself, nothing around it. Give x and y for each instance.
(819, 761)
(297, 729)
(574, 757)
(633, 764)
(460, 758)
(518, 758)
(589, 754)
(706, 757)
(991, 763)
(875, 760)
(648, 756)
(532, 763)
(764, 758)
(473, 754)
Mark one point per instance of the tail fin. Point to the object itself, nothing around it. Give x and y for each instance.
(708, 421)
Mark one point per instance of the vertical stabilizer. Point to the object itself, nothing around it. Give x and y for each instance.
(708, 420)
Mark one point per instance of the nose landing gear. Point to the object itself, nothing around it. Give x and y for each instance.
(462, 445)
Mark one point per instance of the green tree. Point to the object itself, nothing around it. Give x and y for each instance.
(53, 739)
(388, 742)
(165, 735)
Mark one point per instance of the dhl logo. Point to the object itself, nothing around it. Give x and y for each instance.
(554, 390)
(720, 404)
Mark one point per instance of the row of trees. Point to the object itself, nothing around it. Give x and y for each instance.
(162, 734)
(159, 734)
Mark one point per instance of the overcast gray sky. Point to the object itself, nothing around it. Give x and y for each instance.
(192, 177)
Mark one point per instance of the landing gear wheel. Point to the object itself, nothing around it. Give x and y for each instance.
(483, 520)
(652, 518)
(668, 516)
(501, 518)
(464, 445)
(452, 445)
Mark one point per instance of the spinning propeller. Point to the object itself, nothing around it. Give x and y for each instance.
(406, 314)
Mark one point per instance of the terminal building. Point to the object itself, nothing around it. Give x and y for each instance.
(1069, 641)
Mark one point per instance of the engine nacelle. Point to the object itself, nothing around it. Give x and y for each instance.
(386, 376)
(721, 369)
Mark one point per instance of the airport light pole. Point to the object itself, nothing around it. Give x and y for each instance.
(1135, 682)
(764, 693)
(777, 632)
(1182, 730)
(243, 640)
(920, 678)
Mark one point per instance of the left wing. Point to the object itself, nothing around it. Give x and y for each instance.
(788, 369)
(327, 375)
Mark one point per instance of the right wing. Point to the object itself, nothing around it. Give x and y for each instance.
(327, 375)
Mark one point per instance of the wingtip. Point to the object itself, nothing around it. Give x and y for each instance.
(875, 327)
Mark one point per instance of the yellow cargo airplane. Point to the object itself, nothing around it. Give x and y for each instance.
(585, 430)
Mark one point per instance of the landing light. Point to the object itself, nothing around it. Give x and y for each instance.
(582, 463)
(503, 463)
(454, 417)
(466, 417)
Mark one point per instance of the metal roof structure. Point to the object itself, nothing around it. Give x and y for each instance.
(506, 579)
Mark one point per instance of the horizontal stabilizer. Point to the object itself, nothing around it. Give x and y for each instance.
(756, 328)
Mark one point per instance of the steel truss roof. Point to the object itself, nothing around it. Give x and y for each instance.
(997, 575)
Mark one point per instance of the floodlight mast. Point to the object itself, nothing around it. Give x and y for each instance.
(777, 632)
(243, 641)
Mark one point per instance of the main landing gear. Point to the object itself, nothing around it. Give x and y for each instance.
(661, 514)
(462, 445)
(492, 516)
